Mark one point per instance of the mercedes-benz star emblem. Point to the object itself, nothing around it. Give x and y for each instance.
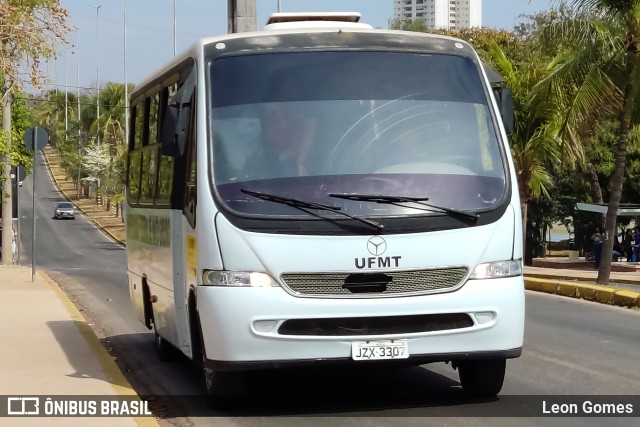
(376, 245)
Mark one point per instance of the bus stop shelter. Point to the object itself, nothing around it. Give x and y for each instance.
(626, 210)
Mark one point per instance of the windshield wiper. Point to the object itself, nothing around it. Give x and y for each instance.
(396, 200)
(302, 205)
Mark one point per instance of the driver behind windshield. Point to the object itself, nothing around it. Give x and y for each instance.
(287, 135)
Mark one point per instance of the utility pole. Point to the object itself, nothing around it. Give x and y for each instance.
(174, 27)
(241, 15)
(79, 120)
(7, 202)
(78, 73)
(98, 73)
(126, 83)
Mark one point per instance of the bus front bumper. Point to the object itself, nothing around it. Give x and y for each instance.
(243, 328)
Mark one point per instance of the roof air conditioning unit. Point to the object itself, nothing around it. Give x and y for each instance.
(281, 21)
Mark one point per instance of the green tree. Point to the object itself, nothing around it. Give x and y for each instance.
(20, 121)
(50, 114)
(112, 133)
(408, 25)
(78, 145)
(603, 74)
(111, 120)
(484, 41)
(536, 144)
(71, 151)
(29, 30)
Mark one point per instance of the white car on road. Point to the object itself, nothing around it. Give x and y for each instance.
(64, 210)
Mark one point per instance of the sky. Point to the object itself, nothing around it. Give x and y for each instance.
(96, 47)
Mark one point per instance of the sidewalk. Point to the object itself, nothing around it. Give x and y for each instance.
(47, 349)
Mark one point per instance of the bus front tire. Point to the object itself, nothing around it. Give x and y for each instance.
(164, 350)
(222, 388)
(482, 378)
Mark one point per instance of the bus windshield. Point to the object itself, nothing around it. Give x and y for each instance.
(311, 124)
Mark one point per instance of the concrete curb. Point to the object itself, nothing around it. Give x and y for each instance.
(66, 196)
(540, 275)
(598, 293)
(107, 362)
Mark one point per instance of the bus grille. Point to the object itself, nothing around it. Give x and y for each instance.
(376, 325)
(397, 282)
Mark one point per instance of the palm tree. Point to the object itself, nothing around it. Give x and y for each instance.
(111, 125)
(602, 75)
(536, 146)
(111, 119)
(50, 113)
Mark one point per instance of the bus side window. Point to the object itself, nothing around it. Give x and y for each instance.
(134, 158)
(134, 177)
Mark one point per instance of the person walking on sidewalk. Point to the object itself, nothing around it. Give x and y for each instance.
(636, 246)
(597, 249)
(627, 246)
(14, 246)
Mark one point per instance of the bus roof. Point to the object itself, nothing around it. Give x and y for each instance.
(266, 39)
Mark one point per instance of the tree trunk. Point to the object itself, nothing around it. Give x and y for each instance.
(525, 196)
(7, 211)
(617, 179)
(523, 207)
(79, 181)
(596, 191)
(117, 209)
(108, 208)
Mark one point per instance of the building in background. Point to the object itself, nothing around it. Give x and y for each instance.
(444, 14)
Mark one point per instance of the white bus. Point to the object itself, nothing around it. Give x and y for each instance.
(323, 191)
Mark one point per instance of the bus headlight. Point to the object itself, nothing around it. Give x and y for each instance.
(498, 269)
(237, 278)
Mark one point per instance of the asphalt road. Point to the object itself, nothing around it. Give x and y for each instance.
(572, 348)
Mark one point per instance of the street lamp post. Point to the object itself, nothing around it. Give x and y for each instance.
(98, 73)
(279, 5)
(174, 27)
(66, 98)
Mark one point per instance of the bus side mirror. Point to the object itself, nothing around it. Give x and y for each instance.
(506, 109)
(175, 129)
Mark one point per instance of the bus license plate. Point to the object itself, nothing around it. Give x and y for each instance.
(380, 350)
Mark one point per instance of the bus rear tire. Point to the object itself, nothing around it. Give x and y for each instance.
(482, 378)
